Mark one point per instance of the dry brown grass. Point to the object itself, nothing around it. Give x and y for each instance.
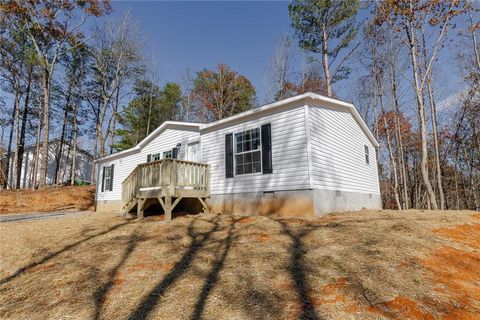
(364, 265)
(50, 199)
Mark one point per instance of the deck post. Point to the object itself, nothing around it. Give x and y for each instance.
(204, 204)
(140, 204)
(168, 208)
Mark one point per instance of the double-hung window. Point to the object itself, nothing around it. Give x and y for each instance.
(107, 184)
(167, 154)
(367, 155)
(248, 152)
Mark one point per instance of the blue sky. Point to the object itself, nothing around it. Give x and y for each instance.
(197, 35)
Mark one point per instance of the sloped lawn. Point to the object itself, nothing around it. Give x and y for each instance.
(363, 265)
(47, 200)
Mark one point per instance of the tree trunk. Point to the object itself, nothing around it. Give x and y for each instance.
(457, 193)
(149, 109)
(413, 47)
(10, 141)
(58, 158)
(114, 121)
(46, 129)
(398, 137)
(393, 163)
(65, 163)
(326, 66)
(21, 146)
(473, 185)
(436, 146)
(37, 150)
(74, 142)
(474, 36)
(433, 112)
(17, 141)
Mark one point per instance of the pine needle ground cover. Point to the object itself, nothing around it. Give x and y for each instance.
(47, 200)
(362, 265)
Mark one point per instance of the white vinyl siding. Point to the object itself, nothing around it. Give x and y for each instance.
(165, 141)
(289, 155)
(338, 146)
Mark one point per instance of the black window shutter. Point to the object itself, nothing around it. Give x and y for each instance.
(149, 158)
(103, 179)
(111, 179)
(174, 153)
(267, 148)
(229, 155)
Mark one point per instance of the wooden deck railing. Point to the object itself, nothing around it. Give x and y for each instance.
(167, 177)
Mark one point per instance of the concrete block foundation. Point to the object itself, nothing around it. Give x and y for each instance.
(298, 203)
(109, 206)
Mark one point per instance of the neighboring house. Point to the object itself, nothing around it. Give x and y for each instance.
(302, 156)
(83, 164)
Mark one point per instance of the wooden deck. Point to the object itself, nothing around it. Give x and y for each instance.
(169, 181)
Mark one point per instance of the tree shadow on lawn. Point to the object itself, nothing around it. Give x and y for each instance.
(298, 271)
(214, 273)
(198, 241)
(102, 291)
(22, 270)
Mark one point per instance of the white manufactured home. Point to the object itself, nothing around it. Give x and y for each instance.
(302, 156)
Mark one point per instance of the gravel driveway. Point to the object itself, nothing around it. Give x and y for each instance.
(39, 215)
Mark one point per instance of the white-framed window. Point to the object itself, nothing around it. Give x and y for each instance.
(367, 155)
(153, 157)
(107, 184)
(248, 154)
(167, 154)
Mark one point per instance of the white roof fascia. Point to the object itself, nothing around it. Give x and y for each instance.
(154, 133)
(257, 111)
(308, 95)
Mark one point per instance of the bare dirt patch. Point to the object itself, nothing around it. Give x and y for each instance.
(363, 265)
(465, 233)
(47, 200)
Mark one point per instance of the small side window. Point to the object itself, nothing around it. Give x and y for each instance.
(367, 155)
(107, 184)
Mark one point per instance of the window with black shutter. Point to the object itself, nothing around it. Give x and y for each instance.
(229, 155)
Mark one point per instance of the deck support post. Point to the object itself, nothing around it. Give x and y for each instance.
(204, 204)
(140, 204)
(168, 208)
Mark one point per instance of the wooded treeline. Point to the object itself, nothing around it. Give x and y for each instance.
(59, 83)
